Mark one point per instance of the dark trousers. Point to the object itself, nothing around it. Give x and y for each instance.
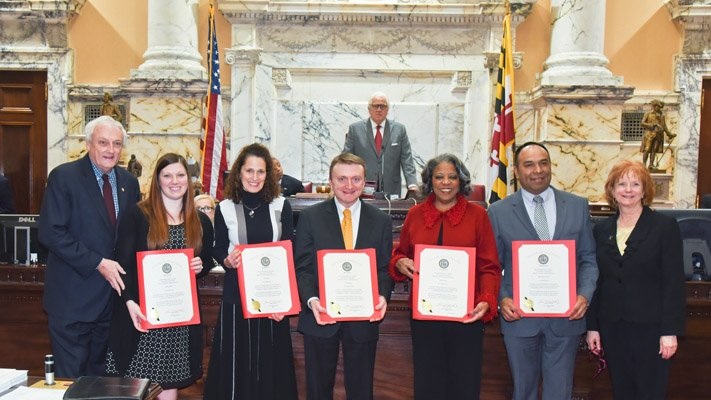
(447, 357)
(79, 348)
(321, 357)
(637, 370)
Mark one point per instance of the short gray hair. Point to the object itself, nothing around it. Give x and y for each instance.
(103, 120)
(379, 95)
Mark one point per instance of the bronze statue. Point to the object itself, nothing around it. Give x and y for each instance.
(655, 126)
(134, 167)
(110, 109)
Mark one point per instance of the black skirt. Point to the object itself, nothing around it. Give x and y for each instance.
(251, 359)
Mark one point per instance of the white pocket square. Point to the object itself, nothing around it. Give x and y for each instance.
(394, 144)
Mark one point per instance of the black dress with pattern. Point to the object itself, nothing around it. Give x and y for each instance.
(170, 356)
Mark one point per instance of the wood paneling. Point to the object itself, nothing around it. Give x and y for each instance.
(23, 136)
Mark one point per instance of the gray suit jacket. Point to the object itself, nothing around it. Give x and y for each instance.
(396, 154)
(511, 222)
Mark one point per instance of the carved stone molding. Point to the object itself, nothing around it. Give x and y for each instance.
(281, 78)
(581, 94)
(695, 17)
(250, 56)
(36, 25)
(164, 87)
(461, 81)
(444, 12)
(44, 9)
(492, 59)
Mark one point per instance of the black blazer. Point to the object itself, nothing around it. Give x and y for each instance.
(319, 228)
(75, 228)
(123, 337)
(290, 186)
(646, 284)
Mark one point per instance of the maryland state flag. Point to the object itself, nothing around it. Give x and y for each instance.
(214, 152)
(504, 133)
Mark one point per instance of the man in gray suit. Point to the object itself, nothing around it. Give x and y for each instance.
(542, 347)
(384, 146)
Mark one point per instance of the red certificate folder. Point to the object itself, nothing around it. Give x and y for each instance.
(425, 307)
(182, 270)
(251, 306)
(552, 286)
(333, 308)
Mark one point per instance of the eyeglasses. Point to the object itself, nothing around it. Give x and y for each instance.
(379, 106)
(206, 209)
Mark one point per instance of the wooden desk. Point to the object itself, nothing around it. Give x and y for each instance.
(23, 332)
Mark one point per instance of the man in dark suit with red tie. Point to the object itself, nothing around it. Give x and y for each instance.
(384, 146)
(83, 201)
(343, 222)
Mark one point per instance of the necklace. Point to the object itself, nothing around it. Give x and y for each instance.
(251, 210)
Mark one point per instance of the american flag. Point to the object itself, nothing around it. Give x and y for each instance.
(214, 152)
(504, 132)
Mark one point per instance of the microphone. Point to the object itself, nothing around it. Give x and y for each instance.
(49, 369)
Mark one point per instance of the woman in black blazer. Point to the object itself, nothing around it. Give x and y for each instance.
(638, 309)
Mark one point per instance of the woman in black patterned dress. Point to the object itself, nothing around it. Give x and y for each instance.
(251, 359)
(165, 220)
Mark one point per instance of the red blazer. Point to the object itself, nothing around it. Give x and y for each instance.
(465, 225)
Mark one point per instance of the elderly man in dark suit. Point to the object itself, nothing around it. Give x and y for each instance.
(384, 146)
(320, 227)
(81, 206)
(542, 347)
(288, 184)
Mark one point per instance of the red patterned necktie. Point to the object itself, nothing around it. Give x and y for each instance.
(378, 139)
(109, 199)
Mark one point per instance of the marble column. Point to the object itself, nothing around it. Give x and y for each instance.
(172, 42)
(243, 61)
(577, 39)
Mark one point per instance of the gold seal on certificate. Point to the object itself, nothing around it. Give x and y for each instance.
(166, 288)
(544, 277)
(348, 285)
(267, 281)
(443, 285)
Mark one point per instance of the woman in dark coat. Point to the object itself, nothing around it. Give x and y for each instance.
(165, 220)
(638, 308)
(251, 359)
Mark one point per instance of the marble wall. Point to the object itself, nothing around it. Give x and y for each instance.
(301, 75)
(303, 71)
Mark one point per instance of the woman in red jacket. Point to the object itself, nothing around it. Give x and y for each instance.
(448, 355)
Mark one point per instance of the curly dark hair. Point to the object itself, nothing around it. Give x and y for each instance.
(464, 177)
(233, 187)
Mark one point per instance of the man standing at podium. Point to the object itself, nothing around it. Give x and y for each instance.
(81, 206)
(384, 146)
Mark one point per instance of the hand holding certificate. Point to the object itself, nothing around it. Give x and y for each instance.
(167, 289)
(348, 285)
(544, 277)
(267, 282)
(443, 285)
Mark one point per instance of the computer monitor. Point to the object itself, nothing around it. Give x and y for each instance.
(695, 227)
(18, 240)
